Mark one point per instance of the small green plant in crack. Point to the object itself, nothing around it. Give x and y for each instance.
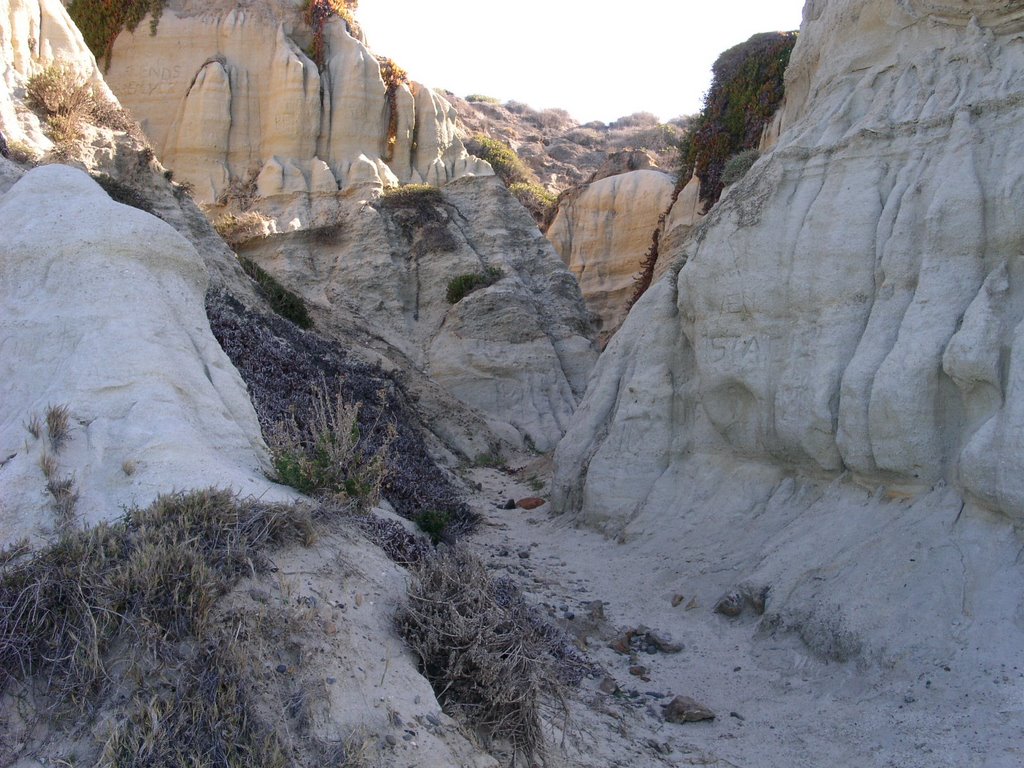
(433, 522)
(461, 286)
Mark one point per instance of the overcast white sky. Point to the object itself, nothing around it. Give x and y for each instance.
(600, 61)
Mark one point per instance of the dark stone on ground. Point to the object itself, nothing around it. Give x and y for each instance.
(683, 709)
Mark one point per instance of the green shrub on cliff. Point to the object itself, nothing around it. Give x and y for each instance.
(514, 174)
(746, 89)
(101, 21)
(461, 286)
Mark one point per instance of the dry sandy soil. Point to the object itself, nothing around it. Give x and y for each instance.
(775, 704)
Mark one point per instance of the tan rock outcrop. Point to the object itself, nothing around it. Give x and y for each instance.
(845, 317)
(232, 102)
(604, 233)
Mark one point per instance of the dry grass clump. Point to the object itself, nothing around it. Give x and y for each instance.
(203, 720)
(241, 228)
(320, 454)
(68, 100)
(485, 656)
(58, 426)
(149, 580)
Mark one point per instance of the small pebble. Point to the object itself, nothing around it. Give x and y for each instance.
(331, 681)
(737, 715)
(433, 720)
(282, 668)
(391, 740)
(524, 553)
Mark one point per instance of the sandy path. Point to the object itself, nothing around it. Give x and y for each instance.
(776, 705)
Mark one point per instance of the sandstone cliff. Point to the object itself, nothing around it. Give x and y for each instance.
(518, 350)
(829, 369)
(231, 98)
(603, 234)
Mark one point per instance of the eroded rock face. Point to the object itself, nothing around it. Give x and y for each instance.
(604, 233)
(852, 305)
(519, 350)
(229, 96)
(118, 334)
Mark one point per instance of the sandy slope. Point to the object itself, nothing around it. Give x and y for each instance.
(776, 704)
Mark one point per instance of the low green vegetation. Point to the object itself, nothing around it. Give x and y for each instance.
(503, 159)
(746, 90)
(736, 167)
(479, 97)
(461, 286)
(101, 21)
(514, 174)
(288, 305)
(320, 454)
(433, 522)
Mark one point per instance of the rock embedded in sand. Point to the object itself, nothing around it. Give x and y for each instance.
(531, 502)
(683, 709)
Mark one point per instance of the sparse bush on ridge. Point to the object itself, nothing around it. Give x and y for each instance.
(417, 211)
(503, 159)
(481, 98)
(410, 196)
(514, 174)
(461, 286)
(238, 228)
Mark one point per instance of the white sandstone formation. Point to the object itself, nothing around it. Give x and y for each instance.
(823, 399)
(102, 311)
(519, 350)
(33, 34)
(232, 101)
(604, 233)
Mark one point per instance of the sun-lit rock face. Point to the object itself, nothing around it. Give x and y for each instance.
(604, 233)
(850, 309)
(102, 311)
(232, 101)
